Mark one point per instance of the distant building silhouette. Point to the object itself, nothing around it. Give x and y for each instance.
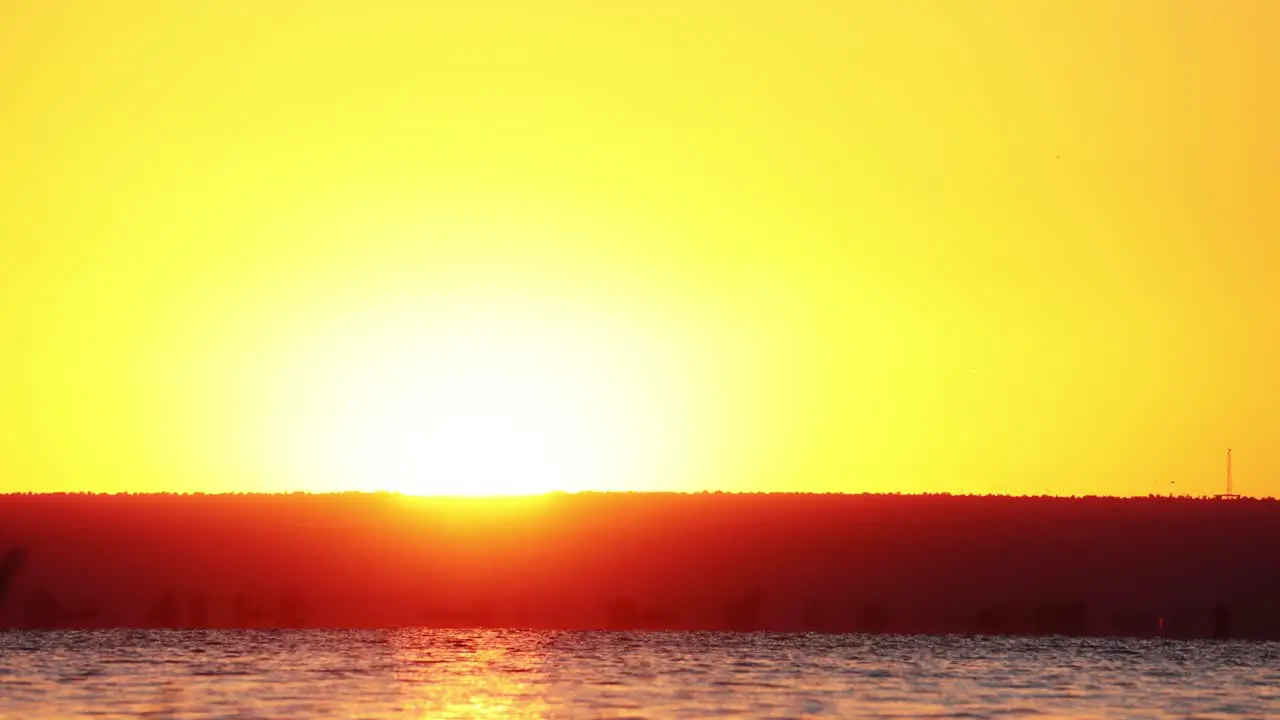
(10, 563)
(1064, 618)
(198, 612)
(743, 614)
(873, 619)
(163, 612)
(43, 611)
(623, 614)
(997, 620)
(1222, 621)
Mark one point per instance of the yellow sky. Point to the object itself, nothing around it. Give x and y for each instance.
(979, 246)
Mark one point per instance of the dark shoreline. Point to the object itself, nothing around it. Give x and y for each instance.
(920, 564)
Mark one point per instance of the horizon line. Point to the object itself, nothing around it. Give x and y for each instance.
(566, 493)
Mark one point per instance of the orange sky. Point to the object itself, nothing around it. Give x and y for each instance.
(981, 246)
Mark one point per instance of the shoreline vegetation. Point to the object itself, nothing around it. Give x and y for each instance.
(1176, 567)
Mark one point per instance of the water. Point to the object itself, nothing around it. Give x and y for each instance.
(447, 674)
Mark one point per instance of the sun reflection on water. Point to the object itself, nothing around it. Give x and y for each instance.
(487, 674)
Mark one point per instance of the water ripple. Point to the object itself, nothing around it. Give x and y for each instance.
(466, 674)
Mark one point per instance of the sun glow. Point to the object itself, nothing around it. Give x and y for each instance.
(512, 403)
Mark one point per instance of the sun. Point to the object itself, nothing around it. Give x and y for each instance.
(456, 404)
(499, 422)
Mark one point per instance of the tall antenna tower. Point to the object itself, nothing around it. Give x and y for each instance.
(1228, 495)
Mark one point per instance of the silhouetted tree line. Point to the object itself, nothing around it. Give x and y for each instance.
(743, 562)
